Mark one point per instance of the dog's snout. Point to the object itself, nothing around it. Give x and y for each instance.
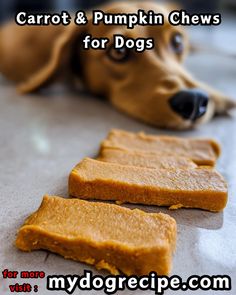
(190, 104)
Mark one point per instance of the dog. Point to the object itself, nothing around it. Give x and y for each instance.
(151, 86)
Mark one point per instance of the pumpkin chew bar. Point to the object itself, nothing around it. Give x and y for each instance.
(201, 151)
(196, 188)
(141, 159)
(108, 236)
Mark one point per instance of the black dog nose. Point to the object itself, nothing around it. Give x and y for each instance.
(190, 104)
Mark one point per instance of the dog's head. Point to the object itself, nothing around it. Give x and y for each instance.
(151, 86)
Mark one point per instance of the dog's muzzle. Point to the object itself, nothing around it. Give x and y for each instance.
(190, 104)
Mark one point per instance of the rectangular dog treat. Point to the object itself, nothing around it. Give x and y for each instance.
(140, 159)
(196, 188)
(108, 236)
(201, 151)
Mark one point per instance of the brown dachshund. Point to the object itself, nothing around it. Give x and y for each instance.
(151, 86)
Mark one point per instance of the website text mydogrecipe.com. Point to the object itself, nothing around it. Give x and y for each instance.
(158, 284)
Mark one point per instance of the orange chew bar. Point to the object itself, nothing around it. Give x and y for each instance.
(197, 188)
(141, 159)
(201, 151)
(105, 235)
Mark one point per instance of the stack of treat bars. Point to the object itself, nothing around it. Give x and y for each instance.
(134, 168)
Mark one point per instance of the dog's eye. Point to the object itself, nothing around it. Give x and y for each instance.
(177, 43)
(118, 55)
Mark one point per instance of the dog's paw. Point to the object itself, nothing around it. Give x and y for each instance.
(223, 105)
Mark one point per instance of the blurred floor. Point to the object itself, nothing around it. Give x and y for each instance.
(219, 38)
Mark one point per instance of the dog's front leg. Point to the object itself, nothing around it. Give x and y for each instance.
(222, 103)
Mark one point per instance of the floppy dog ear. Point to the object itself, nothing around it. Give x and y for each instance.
(60, 54)
(32, 55)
